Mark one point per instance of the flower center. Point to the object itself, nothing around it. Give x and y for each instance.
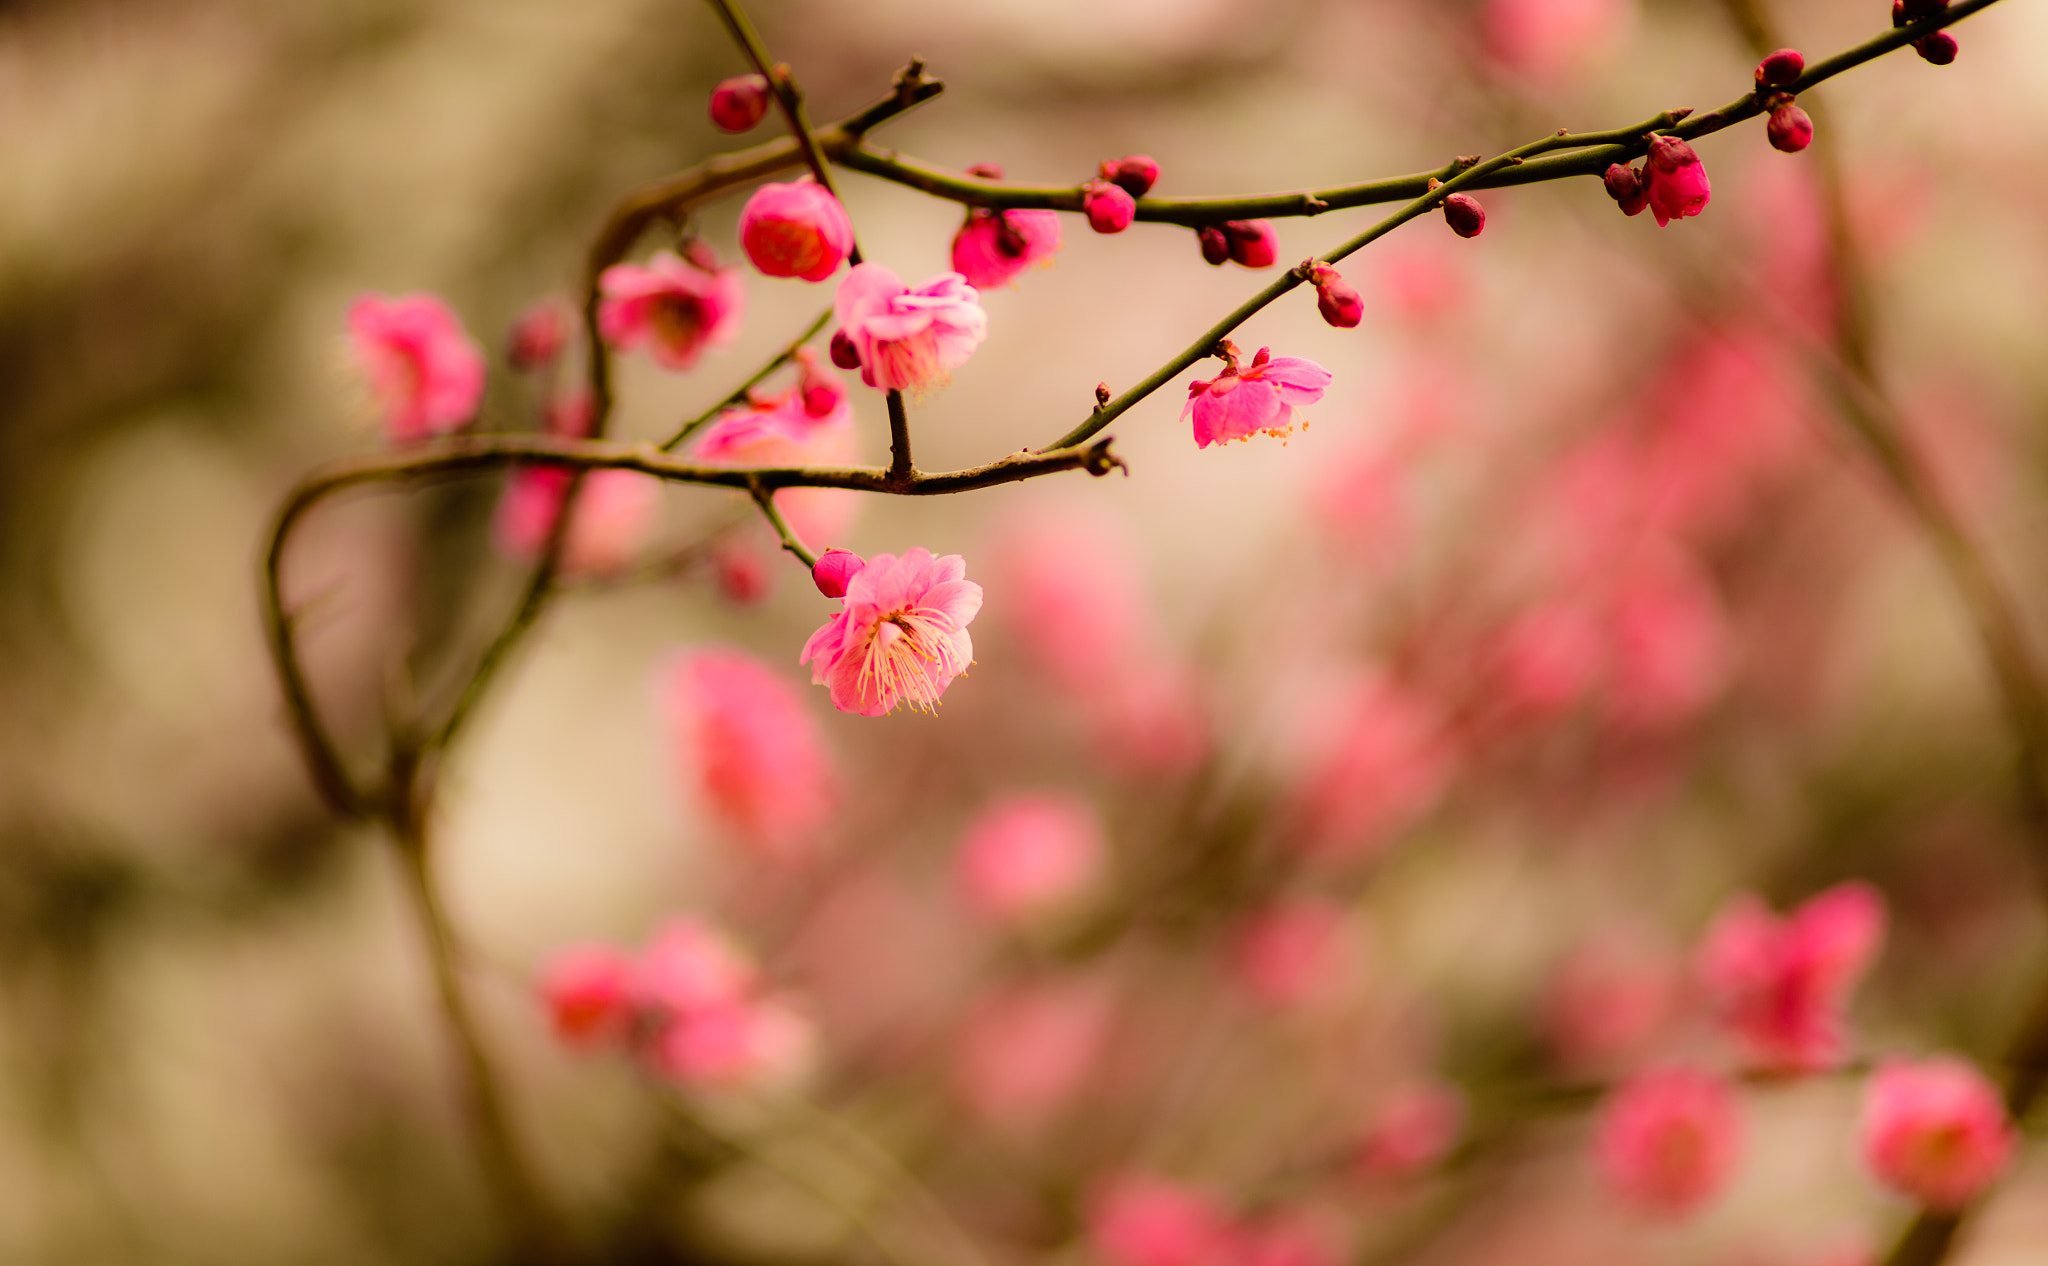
(910, 658)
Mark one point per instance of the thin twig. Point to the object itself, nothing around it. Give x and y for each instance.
(901, 468)
(790, 540)
(739, 394)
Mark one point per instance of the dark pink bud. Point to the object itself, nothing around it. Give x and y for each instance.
(1668, 154)
(986, 171)
(1790, 129)
(1215, 244)
(1253, 243)
(1623, 183)
(818, 387)
(1938, 48)
(844, 353)
(1780, 69)
(739, 103)
(1464, 214)
(538, 336)
(1110, 208)
(1134, 175)
(835, 569)
(1335, 298)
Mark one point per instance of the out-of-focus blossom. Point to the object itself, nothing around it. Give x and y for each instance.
(750, 748)
(1668, 1140)
(1291, 952)
(1549, 40)
(993, 247)
(539, 335)
(735, 1045)
(796, 230)
(1935, 1130)
(1109, 208)
(588, 991)
(569, 416)
(909, 339)
(1412, 1129)
(1027, 1052)
(1074, 594)
(1611, 997)
(1669, 647)
(1283, 1238)
(740, 571)
(676, 307)
(1139, 1220)
(902, 636)
(782, 430)
(426, 374)
(1029, 855)
(1152, 720)
(1380, 761)
(1781, 984)
(1263, 396)
(614, 510)
(740, 103)
(689, 967)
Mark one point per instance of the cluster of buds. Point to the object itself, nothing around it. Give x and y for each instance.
(1111, 200)
(1672, 182)
(1790, 128)
(1251, 243)
(1938, 48)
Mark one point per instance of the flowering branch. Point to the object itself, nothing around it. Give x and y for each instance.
(739, 394)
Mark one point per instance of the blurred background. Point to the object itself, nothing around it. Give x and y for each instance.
(1411, 743)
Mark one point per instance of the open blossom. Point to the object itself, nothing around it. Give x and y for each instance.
(787, 429)
(1935, 1129)
(909, 339)
(1781, 984)
(750, 748)
(1029, 1051)
(614, 510)
(588, 992)
(1029, 854)
(425, 372)
(1138, 1220)
(1075, 587)
(796, 230)
(1668, 1139)
(902, 636)
(677, 307)
(993, 247)
(1260, 397)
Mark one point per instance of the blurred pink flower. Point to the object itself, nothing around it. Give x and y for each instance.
(747, 744)
(1283, 1238)
(1139, 1220)
(1262, 397)
(677, 307)
(614, 510)
(1073, 585)
(1611, 997)
(993, 247)
(783, 430)
(1668, 1140)
(1670, 646)
(909, 339)
(733, 1045)
(1152, 720)
(1935, 1130)
(1782, 985)
(822, 392)
(588, 993)
(688, 967)
(1546, 659)
(902, 636)
(1413, 1129)
(426, 374)
(1379, 760)
(796, 230)
(539, 335)
(1029, 855)
(1025, 1053)
(1549, 40)
(1291, 951)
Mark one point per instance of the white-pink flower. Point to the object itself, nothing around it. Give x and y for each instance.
(902, 635)
(752, 751)
(1263, 396)
(909, 339)
(677, 307)
(425, 371)
(1935, 1130)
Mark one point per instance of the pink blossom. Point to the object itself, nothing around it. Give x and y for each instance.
(796, 230)
(909, 339)
(741, 573)
(539, 335)
(1027, 1052)
(1549, 40)
(1781, 985)
(1109, 208)
(1935, 1130)
(834, 570)
(994, 247)
(1028, 855)
(1669, 1139)
(783, 430)
(1669, 646)
(1378, 762)
(1138, 1220)
(902, 636)
(1291, 952)
(689, 967)
(1283, 1239)
(677, 307)
(1251, 243)
(588, 993)
(1611, 998)
(427, 374)
(1135, 175)
(1263, 397)
(748, 746)
(1676, 180)
(1413, 1129)
(1152, 720)
(614, 510)
(1074, 588)
(733, 1045)
(822, 392)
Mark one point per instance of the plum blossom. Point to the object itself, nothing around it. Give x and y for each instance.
(1139, 1220)
(810, 424)
(1028, 855)
(902, 636)
(1668, 1139)
(749, 747)
(1412, 1129)
(1261, 397)
(797, 229)
(1291, 952)
(994, 247)
(676, 306)
(904, 338)
(614, 509)
(588, 993)
(1781, 984)
(1028, 1051)
(1935, 1130)
(425, 372)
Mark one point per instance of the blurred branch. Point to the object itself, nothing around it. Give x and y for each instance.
(790, 541)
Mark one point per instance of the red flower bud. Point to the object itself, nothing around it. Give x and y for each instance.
(1464, 214)
(1938, 48)
(986, 171)
(739, 103)
(1109, 207)
(1790, 129)
(1335, 298)
(1626, 186)
(1134, 175)
(1780, 68)
(1253, 243)
(1215, 244)
(844, 353)
(835, 567)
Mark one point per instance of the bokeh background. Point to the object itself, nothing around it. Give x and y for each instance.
(218, 1035)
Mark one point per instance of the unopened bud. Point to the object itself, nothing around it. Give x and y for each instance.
(844, 353)
(1110, 208)
(1938, 48)
(1780, 69)
(1134, 175)
(1101, 394)
(538, 336)
(817, 387)
(1253, 243)
(1335, 298)
(1215, 244)
(834, 569)
(1668, 154)
(986, 171)
(739, 104)
(1790, 129)
(1464, 214)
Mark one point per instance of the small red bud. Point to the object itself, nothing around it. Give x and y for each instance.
(1253, 243)
(834, 568)
(1780, 68)
(1336, 299)
(1110, 208)
(1626, 186)
(986, 171)
(740, 103)
(1101, 394)
(1464, 214)
(1215, 244)
(1938, 48)
(1898, 13)
(1790, 129)
(1134, 175)
(844, 353)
